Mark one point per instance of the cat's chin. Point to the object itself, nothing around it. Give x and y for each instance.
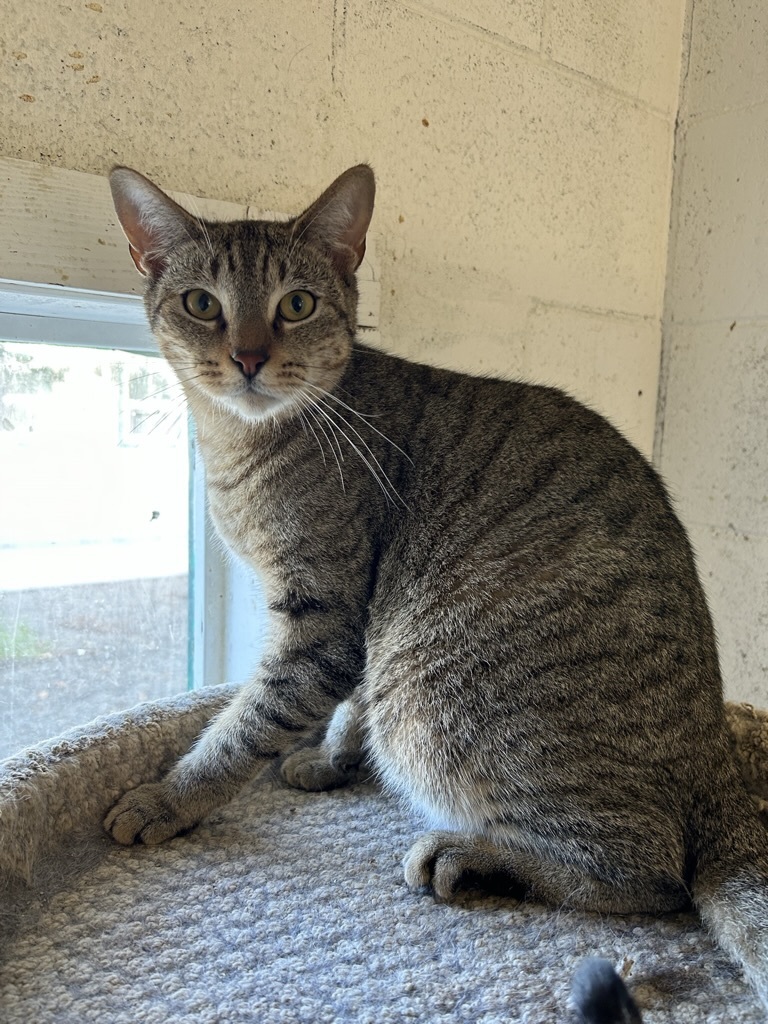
(252, 405)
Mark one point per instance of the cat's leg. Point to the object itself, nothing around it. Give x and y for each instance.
(445, 861)
(334, 762)
(299, 686)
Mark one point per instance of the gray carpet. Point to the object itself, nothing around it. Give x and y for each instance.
(287, 908)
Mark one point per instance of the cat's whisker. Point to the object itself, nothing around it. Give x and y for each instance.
(307, 425)
(290, 240)
(338, 458)
(161, 253)
(336, 428)
(177, 407)
(143, 376)
(363, 415)
(329, 411)
(135, 429)
(206, 236)
(176, 383)
(208, 409)
(332, 439)
(311, 404)
(306, 401)
(164, 368)
(195, 213)
(178, 410)
(360, 416)
(164, 372)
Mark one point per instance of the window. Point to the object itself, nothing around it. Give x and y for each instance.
(94, 539)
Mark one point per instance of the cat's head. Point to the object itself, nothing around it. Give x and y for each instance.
(255, 315)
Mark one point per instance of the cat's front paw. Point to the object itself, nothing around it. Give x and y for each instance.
(146, 815)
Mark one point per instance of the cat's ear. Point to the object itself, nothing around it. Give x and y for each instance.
(339, 219)
(153, 223)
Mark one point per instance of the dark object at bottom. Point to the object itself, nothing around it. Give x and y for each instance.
(601, 997)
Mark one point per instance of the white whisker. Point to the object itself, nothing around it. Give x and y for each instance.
(338, 458)
(176, 383)
(327, 412)
(306, 424)
(335, 428)
(155, 373)
(175, 408)
(201, 224)
(354, 412)
(345, 391)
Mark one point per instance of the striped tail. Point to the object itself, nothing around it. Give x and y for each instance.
(731, 896)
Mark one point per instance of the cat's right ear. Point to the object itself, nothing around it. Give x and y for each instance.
(153, 223)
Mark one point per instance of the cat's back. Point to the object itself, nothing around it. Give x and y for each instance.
(486, 450)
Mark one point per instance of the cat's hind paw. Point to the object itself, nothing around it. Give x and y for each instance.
(437, 861)
(446, 861)
(145, 815)
(311, 768)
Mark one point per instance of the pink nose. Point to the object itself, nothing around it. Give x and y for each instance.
(250, 362)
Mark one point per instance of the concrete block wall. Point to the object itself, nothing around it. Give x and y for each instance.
(523, 150)
(713, 438)
(712, 444)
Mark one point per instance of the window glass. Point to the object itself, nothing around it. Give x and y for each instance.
(93, 536)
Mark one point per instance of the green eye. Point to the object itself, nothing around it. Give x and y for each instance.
(201, 304)
(296, 306)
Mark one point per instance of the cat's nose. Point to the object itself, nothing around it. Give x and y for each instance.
(250, 362)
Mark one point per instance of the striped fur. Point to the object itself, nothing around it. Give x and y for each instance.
(480, 583)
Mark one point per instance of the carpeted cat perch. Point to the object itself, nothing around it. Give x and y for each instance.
(289, 907)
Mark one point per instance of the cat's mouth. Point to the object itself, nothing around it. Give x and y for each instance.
(254, 398)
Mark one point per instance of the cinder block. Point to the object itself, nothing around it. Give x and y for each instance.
(720, 250)
(609, 362)
(635, 47)
(456, 316)
(508, 164)
(221, 100)
(729, 42)
(518, 22)
(715, 431)
(738, 600)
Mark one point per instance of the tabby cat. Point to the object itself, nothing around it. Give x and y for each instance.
(478, 583)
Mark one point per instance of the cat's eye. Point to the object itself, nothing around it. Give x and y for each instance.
(201, 304)
(296, 305)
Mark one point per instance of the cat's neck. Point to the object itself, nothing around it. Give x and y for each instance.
(222, 433)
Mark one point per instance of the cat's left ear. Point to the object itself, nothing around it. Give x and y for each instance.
(153, 223)
(338, 221)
